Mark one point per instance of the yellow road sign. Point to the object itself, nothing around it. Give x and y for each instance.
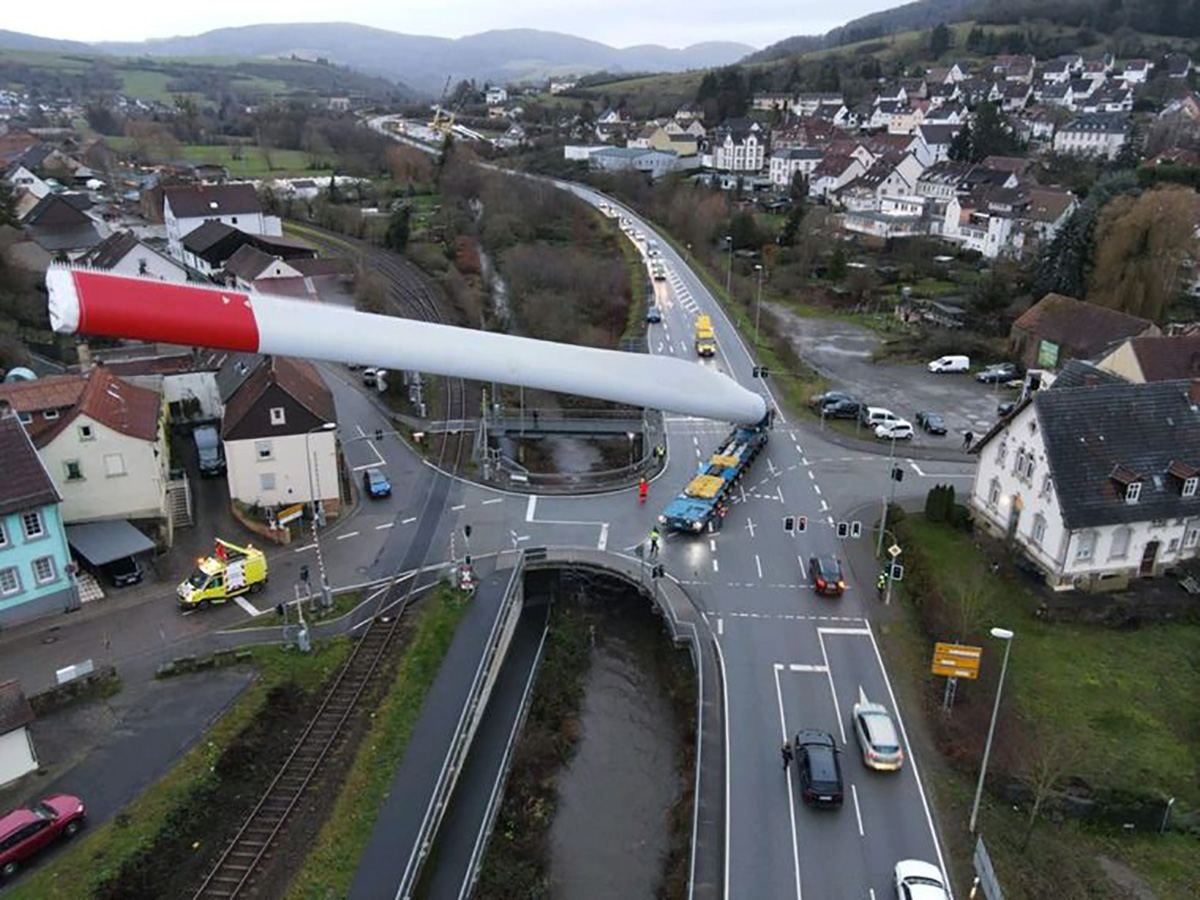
(956, 660)
(290, 513)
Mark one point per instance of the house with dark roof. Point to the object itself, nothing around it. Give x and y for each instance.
(739, 145)
(1096, 482)
(124, 254)
(278, 451)
(17, 756)
(106, 451)
(60, 227)
(1098, 135)
(187, 207)
(1160, 358)
(35, 562)
(207, 249)
(1058, 328)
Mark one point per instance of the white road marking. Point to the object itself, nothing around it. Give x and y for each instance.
(825, 508)
(803, 571)
(857, 811)
(305, 547)
(373, 465)
(771, 468)
(460, 506)
(749, 523)
(716, 566)
(712, 544)
(409, 520)
(384, 525)
(247, 606)
(602, 544)
(348, 534)
(720, 627)
(925, 474)
(790, 793)
(847, 630)
(804, 460)
(832, 690)
(531, 508)
(802, 667)
(758, 565)
(812, 475)
(817, 488)
(671, 347)
(493, 500)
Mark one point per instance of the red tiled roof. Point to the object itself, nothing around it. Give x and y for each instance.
(117, 404)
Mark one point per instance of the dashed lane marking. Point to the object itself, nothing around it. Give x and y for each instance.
(493, 500)
(384, 525)
(412, 519)
(460, 506)
(305, 547)
(348, 534)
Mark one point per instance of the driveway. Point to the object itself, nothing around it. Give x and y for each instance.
(842, 352)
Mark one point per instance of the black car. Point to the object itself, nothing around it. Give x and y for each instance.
(931, 422)
(653, 314)
(825, 574)
(841, 409)
(820, 400)
(122, 572)
(1000, 372)
(820, 773)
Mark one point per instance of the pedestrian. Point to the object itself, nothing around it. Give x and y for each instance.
(654, 542)
(881, 583)
(968, 439)
(787, 754)
(643, 489)
(660, 452)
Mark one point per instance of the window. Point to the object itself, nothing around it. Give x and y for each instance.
(1120, 542)
(1047, 485)
(31, 524)
(1193, 536)
(1189, 486)
(1019, 462)
(266, 481)
(86, 433)
(25, 418)
(114, 465)
(1001, 453)
(1173, 546)
(233, 220)
(278, 416)
(10, 582)
(1027, 472)
(1039, 529)
(1132, 491)
(50, 415)
(1085, 546)
(263, 450)
(1158, 523)
(994, 492)
(43, 570)
(73, 469)
(3, 536)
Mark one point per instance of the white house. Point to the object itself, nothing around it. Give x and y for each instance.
(891, 218)
(278, 450)
(739, 145)
(187, 207)
(832, 173)
(22, 179)
(124, 254)
(786, 163)
(495, 95)
(17, 756)
(1098, 135)
(1136, 71)
(1095, 480)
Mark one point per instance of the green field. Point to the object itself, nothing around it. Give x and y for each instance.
(254, 162)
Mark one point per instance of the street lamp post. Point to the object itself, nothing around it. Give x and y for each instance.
(729, 270)
(757, 301)
(886, 503)
(1005, 635)
(312, 493)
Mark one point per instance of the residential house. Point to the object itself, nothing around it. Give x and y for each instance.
(1145, 359)
(958, 72)
(833, 172)
(1100, 135)
(35, 561)
(207, 249)
(559, 86)
(936, 141)
(24, 179)
(59, 226)
(1037, 125)
(739, 145)
(693, 127)
(890, 175)
(611, 117)
(17, 754)
(773, 102)
(1136, 71)
(1058, 328)
(185, 377)
(1095, 484)
(946, 114)
(890, 217)
(689, 112)
(891, 93)
(1057, 93)
(1081, 90)
(1108, 98)
(1058, 70)
(495, 95)
(808, 104)
(249, 266)
(1015, 96)
(187, 207)
(641, 140)
(804, 132)
(107, 452)
(986, 221)
(278, 450)
(1047, 211)
(1179, 65)
(1018, 68)
(122, 253)
(786, 164)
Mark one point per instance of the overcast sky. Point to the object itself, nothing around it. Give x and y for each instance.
(674, 23)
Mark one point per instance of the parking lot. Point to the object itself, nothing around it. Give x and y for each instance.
(841, 352)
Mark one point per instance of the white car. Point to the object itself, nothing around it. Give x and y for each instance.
(899, 430)
(917, 880)
(877, 737)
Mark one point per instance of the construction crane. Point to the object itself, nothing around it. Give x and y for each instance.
(443, 122)
(438, 124)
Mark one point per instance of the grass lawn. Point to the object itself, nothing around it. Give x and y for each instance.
(330, 866)
(146, 83)
(253, 164)
(101, 852)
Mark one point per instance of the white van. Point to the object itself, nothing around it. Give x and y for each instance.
(877, 415)
(950, 364)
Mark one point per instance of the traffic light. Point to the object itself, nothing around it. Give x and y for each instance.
(658, 571)
(467, 531)
(897, 473)
(304, 573)
(856, 529)
(379, 434)
(760, 372)
(801, 524)
(897, 572)
(843, 529)
(789, 524)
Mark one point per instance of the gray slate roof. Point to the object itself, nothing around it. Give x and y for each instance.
(26, 484)
(15, 710)
(1147, 431)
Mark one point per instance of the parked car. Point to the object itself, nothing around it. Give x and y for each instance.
(122, 572)
(375, 378)
(209, 450)
(825, 575)
(376, 484)
(931, 422)
(818, 400)
(872, 416)
(952, 363)
(820, 773)
(1001, 373)
(1005, 409)
(25, 831)
(900, 430)
(917, 880)
(653, 313)
(876, 734)
(842, 409)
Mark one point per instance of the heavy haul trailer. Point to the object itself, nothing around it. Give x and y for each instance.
(695, 507)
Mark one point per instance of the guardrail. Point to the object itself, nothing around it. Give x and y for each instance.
(469, 719)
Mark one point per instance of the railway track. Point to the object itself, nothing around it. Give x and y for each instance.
(250, 852)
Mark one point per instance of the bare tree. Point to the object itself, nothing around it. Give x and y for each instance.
(969, 597)
(1050, 759)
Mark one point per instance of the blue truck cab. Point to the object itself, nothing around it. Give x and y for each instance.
(696, 505)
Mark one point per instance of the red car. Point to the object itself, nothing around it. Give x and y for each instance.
(23, 832)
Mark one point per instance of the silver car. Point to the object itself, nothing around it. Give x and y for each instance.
(877, 737)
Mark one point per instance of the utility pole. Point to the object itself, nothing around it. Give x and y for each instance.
(757, 302)
(892, 471)
(729, 270)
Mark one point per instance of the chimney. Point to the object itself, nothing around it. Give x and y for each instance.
(85, 357)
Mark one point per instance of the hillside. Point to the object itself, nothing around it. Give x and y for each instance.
(426, 62)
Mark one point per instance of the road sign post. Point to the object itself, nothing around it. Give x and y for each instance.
(956, 660)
